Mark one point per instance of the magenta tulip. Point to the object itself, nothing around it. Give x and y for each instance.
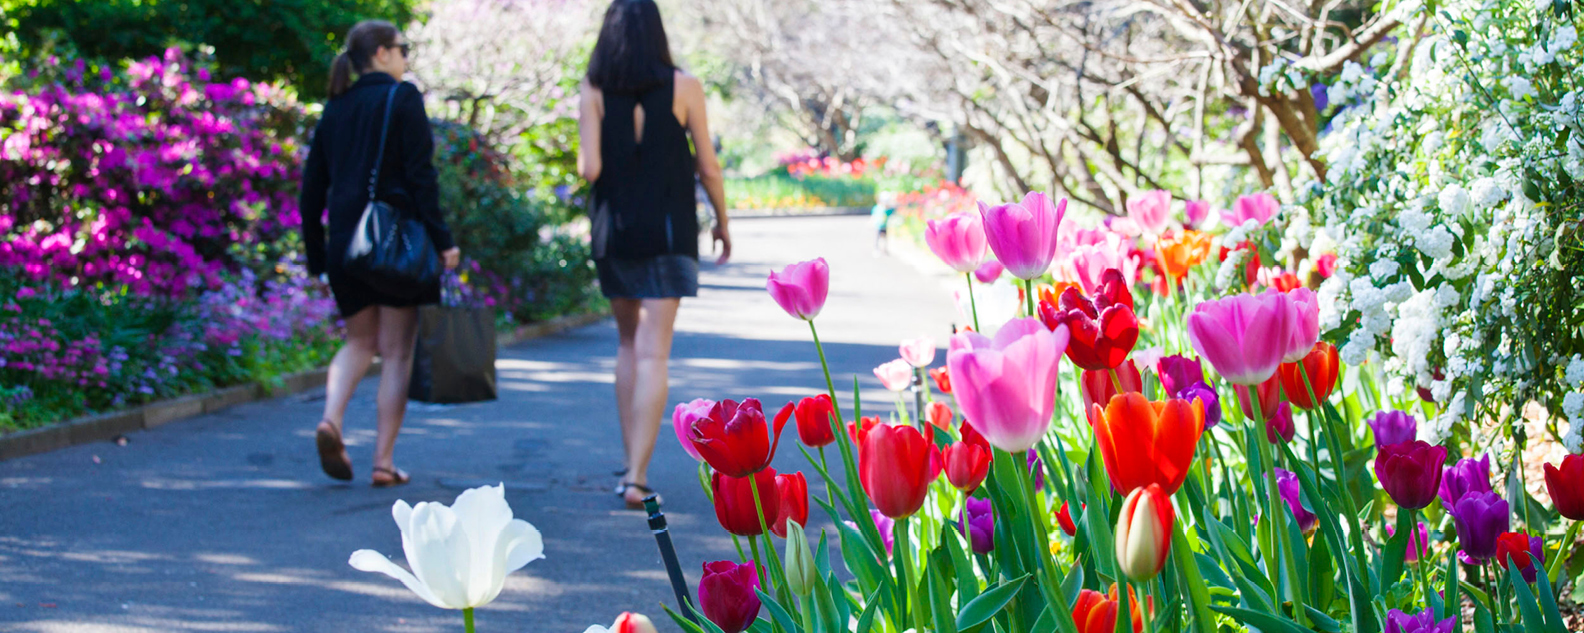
(1150, 211)
(726, 595)
(1195, 212)
(1007, 385)
(1244, 336)
(800, 289)
(1306, 326)
(1411, 472)
(958, 239)
(989, 272)
(918, 352)
(1023, 236)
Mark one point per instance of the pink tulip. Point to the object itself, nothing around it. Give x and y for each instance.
(1306, 324)
(895, 375)
(1007, 385)
(989, 272)
(1244, 336)
(1196, 212)
(1258, 207)
(682, 419)
(800, 289)
(958, 239)
(1088, 262)
(1023, 236)
(918, 352)
(1150, 211)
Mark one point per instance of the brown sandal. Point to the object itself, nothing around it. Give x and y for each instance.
(621, 491)
(332, 452)
(398, 477)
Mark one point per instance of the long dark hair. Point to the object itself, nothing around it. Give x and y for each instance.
(362, 43)
(632, 54)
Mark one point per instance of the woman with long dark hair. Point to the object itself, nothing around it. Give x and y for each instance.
(361, 118)
(638, 114)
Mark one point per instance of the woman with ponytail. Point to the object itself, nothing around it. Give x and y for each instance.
(344, 151)
(638, 118)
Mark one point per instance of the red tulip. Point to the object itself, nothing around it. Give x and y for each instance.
(1144, 442)
(1098, 388)
(1566, 486)
(1064, 518)
(896, 465)
(939, 414)
(735, 439)
(734, 502)
(1143, 533)
(814, 421)
(793, 503)
(942, 379)
(1522, 550)
(1094, 613)
(967, 462)
(1322, 365)
(1102, 331)
(857, 430)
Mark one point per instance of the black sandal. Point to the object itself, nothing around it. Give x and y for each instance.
(621, 491)
(332, 452)
(398, 477)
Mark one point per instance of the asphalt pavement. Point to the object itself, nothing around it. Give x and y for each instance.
(225, 523)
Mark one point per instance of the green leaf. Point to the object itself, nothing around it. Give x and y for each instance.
(967, 580)
(1529, 612)
(686, 624)
(777, 612)
(940, 599)
(987, 604)
(1452, 587)
(1396, 547)
(1548, 605)
(761, 625)
(1198, 593)
(1073, 584)
(866, 618)
(1266, 622)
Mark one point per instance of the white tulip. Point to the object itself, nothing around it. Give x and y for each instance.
(459, 554)
(625, 623)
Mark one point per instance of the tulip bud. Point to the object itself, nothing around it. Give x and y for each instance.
(1565, 483)
(626, 623)
(1143, 532)
(801, 573)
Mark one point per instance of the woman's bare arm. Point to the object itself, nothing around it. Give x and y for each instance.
(589, 113)
(709, 169)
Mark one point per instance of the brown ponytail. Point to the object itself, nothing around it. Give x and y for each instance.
(362, 42)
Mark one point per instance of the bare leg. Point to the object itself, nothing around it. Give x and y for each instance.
(351, 363)
(398, 327)
(627, 312)
(652, 352)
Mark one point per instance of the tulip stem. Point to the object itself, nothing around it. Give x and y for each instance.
(1141, 598)
(1280, 554)
(1560, 561)
(830, 493)
(764, 528)
(1116, 381)
(904, 555)
(467, 619)
(973, 304)
(1028, 295)
(741, 555)
(1333, 436)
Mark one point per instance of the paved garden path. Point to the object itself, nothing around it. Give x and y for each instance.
(224, 522)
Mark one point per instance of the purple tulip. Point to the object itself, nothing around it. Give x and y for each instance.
(1179, 372)
(1418, 542)
(1036, 467)
(1480, 518)
(1281, 424)
(1211, 400)
(883, 524)
(1466, 476)
(1287, 485)
(1410, 472)
(726, 595)
(1421, 622)
(1393, 427)
(981, 524)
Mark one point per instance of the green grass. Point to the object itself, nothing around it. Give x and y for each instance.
(779, 190)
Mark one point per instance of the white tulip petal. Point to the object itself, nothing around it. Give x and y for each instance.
(370, 560)
(483, 513)
(595, 628)
(439, 553)
(402, 513)
(525, 546)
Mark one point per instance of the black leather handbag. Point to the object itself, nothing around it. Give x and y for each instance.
(391, 250)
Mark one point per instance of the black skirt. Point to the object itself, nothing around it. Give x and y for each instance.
(658, 277)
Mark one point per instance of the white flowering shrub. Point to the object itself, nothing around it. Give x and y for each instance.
(1453, 206)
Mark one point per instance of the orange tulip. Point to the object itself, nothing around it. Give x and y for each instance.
(1052, 293)
(1144, 442)
(1096, 612)
(1322, 365)
(1179, 253)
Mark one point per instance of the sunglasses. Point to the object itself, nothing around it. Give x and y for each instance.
(405, 47)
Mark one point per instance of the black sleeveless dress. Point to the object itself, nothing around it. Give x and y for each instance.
(645, 218)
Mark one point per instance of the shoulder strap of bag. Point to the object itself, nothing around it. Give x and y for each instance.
(390, 100)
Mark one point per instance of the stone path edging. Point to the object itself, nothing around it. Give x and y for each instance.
(104, 426)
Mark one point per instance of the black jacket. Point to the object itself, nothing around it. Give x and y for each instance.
(341, 156)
